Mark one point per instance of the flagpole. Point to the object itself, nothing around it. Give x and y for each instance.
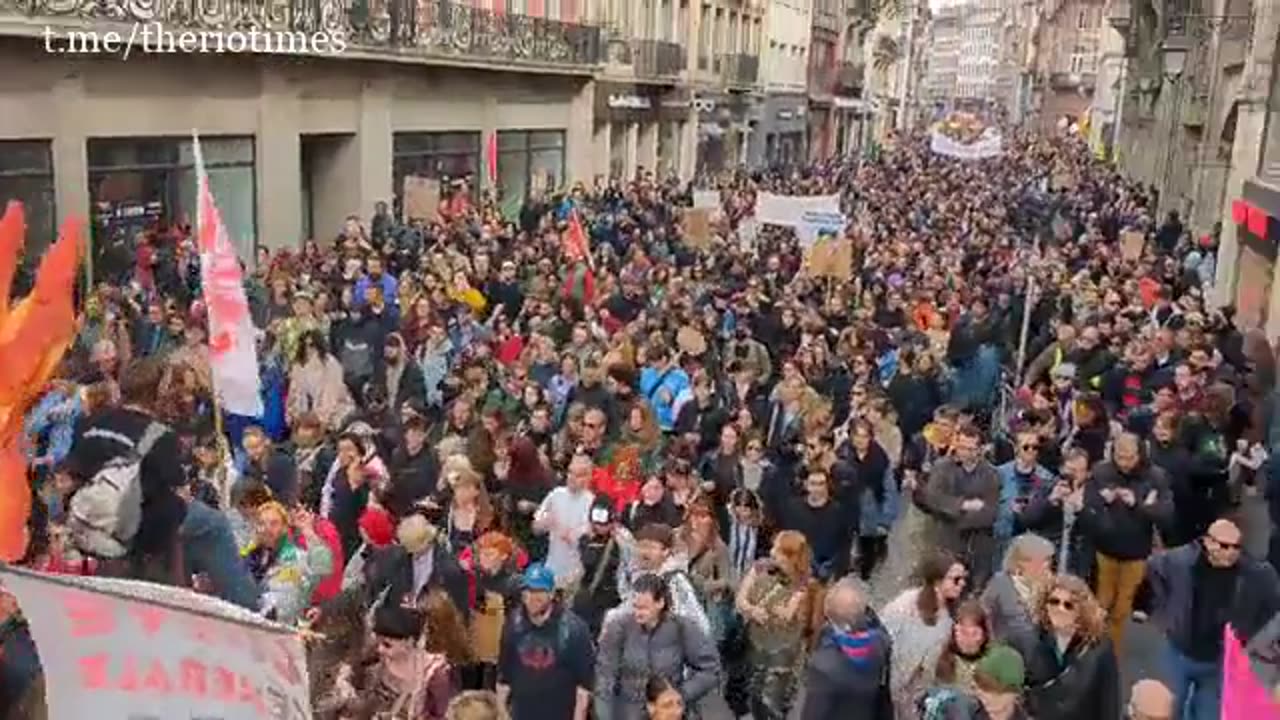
(224, 445)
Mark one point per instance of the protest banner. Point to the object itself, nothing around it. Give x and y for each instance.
(748, 232)
(787, 209)
(696, 223)
(1132, 243)
(130, 650)
(706, 199)
(988, 146)
(421, 198)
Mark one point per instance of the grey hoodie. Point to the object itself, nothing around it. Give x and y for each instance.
(629, 654)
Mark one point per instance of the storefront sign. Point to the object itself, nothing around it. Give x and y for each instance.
(127, 649)
(630, 102)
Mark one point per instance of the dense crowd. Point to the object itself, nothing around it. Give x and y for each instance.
(668, 479)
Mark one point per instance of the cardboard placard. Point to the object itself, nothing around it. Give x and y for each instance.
(706, 199)
(421, 198)
(830, 257)
(1132, 243)
(696, 223)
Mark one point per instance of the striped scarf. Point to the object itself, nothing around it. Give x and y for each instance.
(855, 646)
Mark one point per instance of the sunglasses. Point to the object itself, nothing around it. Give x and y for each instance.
(1065, 604)
(1225, 545)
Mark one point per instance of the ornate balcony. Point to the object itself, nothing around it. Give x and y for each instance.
(427, 29)
(659, 58)
(849, 77)
(1083, 82)
(739, 71)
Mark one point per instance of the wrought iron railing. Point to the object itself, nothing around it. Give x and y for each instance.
(659, 58)
(447, 28)
(740, 70)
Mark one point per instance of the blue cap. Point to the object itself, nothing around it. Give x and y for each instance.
(538, 577)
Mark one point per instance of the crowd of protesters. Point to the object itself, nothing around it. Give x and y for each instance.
(682, 479)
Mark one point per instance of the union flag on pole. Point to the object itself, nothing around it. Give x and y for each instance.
(233, 354)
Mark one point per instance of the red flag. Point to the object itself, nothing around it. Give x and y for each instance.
(492, 160)
(1257, 222)
(574, 240)
(1243, 697)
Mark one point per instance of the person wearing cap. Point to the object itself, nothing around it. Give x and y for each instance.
(998, 677)
(546, 661)
(601, 551)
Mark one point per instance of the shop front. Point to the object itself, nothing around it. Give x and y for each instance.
(639, 126)
(724, 130)
(1257, 218)
(851, 114)
(781, 136)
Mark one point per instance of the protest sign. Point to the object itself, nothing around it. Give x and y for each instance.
(129, 650)
(816, 222)
(1132, 243)
(748, 231)
(696, 223)
(421, 198)
(787, 209)
(706, 199)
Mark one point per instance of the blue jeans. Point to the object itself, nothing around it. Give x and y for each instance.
(1196, 684)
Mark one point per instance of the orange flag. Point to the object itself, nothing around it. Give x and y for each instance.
(34, 335)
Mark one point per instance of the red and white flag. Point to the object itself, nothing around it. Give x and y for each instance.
(232, 343)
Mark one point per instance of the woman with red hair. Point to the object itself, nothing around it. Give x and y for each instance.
(527, 480)
(493, 565)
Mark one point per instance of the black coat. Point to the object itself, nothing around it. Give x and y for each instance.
(392, 572)
(1084, 684)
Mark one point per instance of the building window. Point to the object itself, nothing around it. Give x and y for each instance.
(1269, 160)
(445, 156)
(26, 175)
(141, 183)
(529, 162)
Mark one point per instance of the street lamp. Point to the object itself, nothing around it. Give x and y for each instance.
(1173, 53)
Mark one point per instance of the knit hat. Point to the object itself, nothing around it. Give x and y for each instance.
(378, 526)
(1003, 668)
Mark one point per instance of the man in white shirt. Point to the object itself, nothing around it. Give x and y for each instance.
(565, 516)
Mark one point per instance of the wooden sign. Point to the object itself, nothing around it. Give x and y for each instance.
(421, 198)
(696, 223)
(831, 257)
(1132, 243)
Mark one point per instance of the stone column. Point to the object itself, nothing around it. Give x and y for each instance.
(278, 156)
(647, 145)
(375, 145)
(630, 154)
(70, 157)
(582, 147)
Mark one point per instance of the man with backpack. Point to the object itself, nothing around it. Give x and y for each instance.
(547, 662)
(126, 510)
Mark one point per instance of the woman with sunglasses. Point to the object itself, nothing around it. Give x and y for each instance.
(1071, 668)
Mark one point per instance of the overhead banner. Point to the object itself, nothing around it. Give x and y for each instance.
(787, 209)
(988, 146)
(127, 650)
